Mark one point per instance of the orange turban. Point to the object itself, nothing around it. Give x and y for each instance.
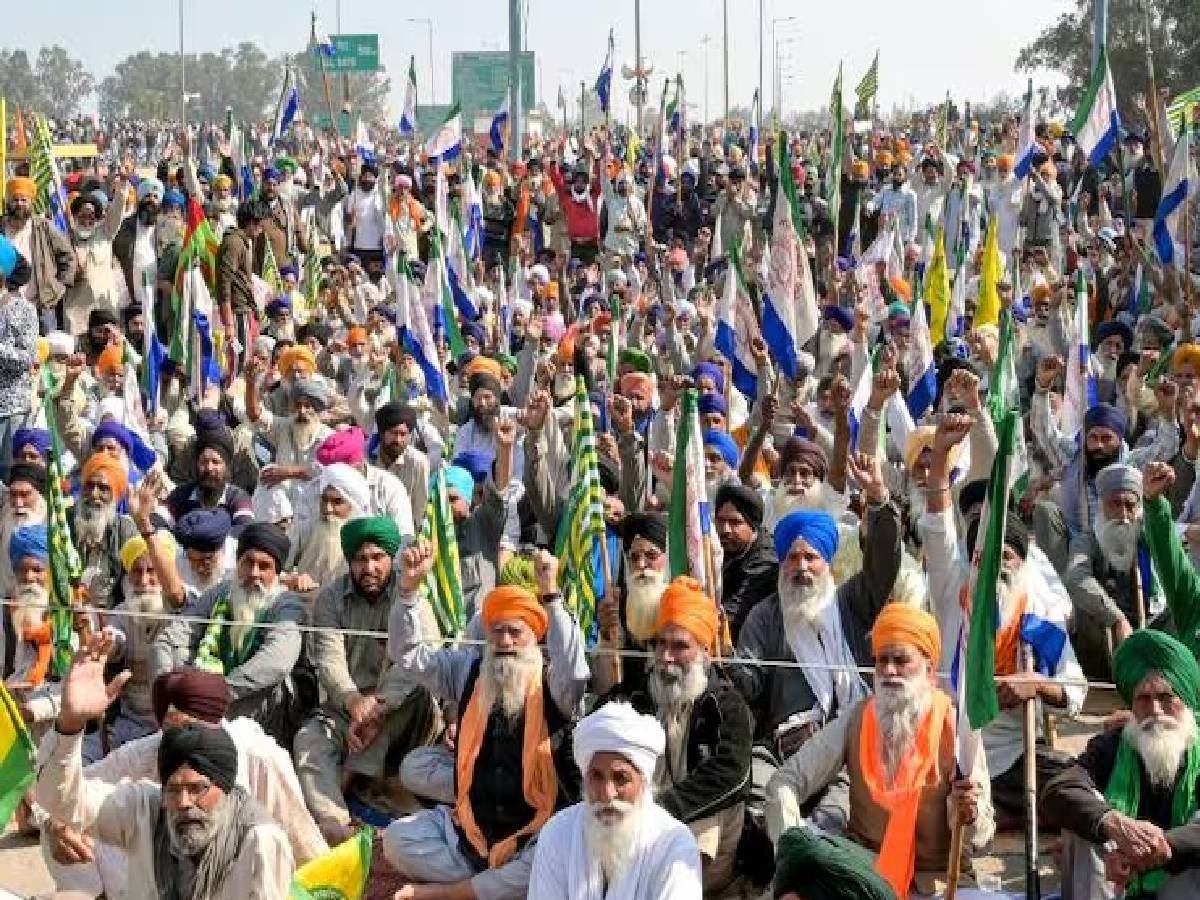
(1041, 291)
(113, 471)
(297, 354)
(1004, 162)
(110, 360)
(356, 334)
(552, 290)
(637, 384)
(21, 186)
(1185, 354)
(685, 604)
(491, 178)
(485, 365)
(566, 346)
(899, 623)
(860, 169)
(512, 602)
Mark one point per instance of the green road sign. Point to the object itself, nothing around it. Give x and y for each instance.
(355, 53)
(480, 79)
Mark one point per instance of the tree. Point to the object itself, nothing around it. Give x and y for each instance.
(1066, 47)
(17, 81)
(62, 82)
(368, 90)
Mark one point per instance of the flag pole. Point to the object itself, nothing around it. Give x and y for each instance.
(954, 863)
(1032, 879)
(582, 113)
(615, 637)
(333, 122)
(4, 147)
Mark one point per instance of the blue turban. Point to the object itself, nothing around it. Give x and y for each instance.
(38, 437)
(816, 526)
(29, 540)
(478, 462)
(388, 312)
(710, 370)
(1105, 415)
(173, 199)
(8, 256)
(1120, 329)
(270, 173)
(285, 271)
(712, 403)
(459, 480)
(725, 444)
(150, 187)
(474, 330)
(115, 430)
(840, 315)
(204, 529)
(205, 172)
(278, 305)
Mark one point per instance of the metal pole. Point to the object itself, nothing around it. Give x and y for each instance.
(1099, 30)
(760, 65)
(345, 75)
(514, 79)
(182, 72)
(704, 43)
(432, 92)
(725, 46)
(639, 89)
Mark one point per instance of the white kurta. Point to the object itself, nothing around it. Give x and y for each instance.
(666, 865)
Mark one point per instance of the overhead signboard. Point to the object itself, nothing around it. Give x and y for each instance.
(480, 78)
(355, 53)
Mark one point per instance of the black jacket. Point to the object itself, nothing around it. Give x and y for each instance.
(718, 752)
(748, 578)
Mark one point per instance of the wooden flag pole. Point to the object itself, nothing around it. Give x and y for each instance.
(615, 637)
(1032, 878)
(954, 863)
(1139, 598)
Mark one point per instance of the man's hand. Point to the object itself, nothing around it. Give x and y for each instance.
(606, 445)
(76, 363)
(536, 411)
(273, 475)
(840, 396)
(770, 409)
(506, 433)
(1015, 690)
(964, 795)
(85, 696)
(864, 468)
(1142, 842)
(963, 386)
(545, 571)
(1166, 392)
(1048, 370)
(1159, 477)
(1121, 631)
(415, 563)
(68, 846)
(620, 410)
(758, 350)
(885, 383)
(361, 707)
(609, 614)
(952, 429)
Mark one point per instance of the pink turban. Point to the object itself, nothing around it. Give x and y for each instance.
(554, 327)
(346, 446)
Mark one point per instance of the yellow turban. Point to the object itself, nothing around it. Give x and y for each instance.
(297, 354)
(113, 471)
(899, 623)
(134, 548)
(513, 602)
(883, 158)
(43, 350)
(110, 360)
(860, 169)
(20, 186)
(222, 182)
(685, 604)
(1186, 354)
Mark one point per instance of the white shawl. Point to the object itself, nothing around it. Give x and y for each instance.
(825, 646)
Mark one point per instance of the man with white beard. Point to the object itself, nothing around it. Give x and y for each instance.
(341, 496)
(618, 843)
(208, 554)
(257, 662)
(899, 751)
(1029, 623)
(98, 530)
(721, 456)
(810, 618)
(386, 494)
(704, 776)
(1109, 577)
(512, 705)
(25, 505)
(1115, 338)
(1128, 805)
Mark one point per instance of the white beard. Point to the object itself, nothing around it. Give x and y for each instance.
(31, 602)
(673, 687)
(506, 680)
(244, 607)
(321, 556)
(803, 604)
(303, 434)
(1118, 541)
(613, 845)
(148, 602)
(642, 595)
(92, 522)
(1161, 743)
(14, 519)
(192, 578)
(898, 709)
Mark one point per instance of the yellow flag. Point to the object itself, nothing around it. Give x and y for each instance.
(987, 311)
(341, 874)
(937, 289)
(632, 150)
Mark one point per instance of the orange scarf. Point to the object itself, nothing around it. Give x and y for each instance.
(1008, 636)
(901, 800)
(41, 636)
(540, 780)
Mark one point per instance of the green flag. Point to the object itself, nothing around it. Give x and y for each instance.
(833, 190)
(16, 757)
(443, 585)
(65, 564)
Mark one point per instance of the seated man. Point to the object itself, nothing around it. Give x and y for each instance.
(816, 866)
(513, 708)
(198, 835)
(372, 712)
(750, 569)
(98, 528)
(214, 448)
(257, 662)
(208, 553)
(1128, 805)
(705, 773)
(179, 698)
(618, 842)
(899, 750)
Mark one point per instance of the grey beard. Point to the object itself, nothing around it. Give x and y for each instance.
(899, 710)
(800, 603)
(613, 845)
(92, 522)
(1118, 541)
(193, 865)
(244, 606)
(672, 686)
(321, 556)
(506, 679)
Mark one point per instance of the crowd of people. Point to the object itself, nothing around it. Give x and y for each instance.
(377, 399)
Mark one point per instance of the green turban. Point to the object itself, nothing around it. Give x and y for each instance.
(378, 530)
(1149, 651)
(518, 570)
(508, 362)
(822, 867)
(632, 356)
(286, 164)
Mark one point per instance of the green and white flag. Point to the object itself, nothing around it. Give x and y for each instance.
(1004, 397)
(833, 186)
(443, 584)
(867, 89)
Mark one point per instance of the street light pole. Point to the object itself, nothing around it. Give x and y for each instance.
(514, 79)
(639, 88)
(428, 23)
(760, 65)
(704, 43)
(775, 64)
(725, 45)
(182, 72)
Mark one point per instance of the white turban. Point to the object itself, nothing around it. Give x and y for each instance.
(60, 343)
(264, 343)
(618, 728)
(111, 408)
(540, 274)
(350, 483)
(271, 504)
(523, 306)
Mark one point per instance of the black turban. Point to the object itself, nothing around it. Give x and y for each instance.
(34, 475)
(744, 499)
(648, 525)
(99, 317)
(218, 439)
(395, 413)
(268, 538)
(1016, 535)
(972, 495)
(203, 529)
(206, 749)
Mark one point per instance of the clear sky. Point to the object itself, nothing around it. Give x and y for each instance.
(925, 48)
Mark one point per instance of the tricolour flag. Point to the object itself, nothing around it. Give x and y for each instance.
(581, 527)
(154, 351)
(991, 271)
(458, 274)
(498, 132)
(416, 331)
(289, 105)
(922, 372)
(790, 315)
(51, 198)
(200, 245)
(473, 228)
(604, 79)
(1026, 138)
(340, 874)
(65, 564)
(446, 143)
(16, 757)
(1178, 192)
(321, 41)
(408, 115)
(737, 327)
(937, 289)
(1080, 383)
(443, 584)
(438, 298)
(689, 521)
(1097, 124)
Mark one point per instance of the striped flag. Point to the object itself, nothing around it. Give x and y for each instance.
(1080, 381)
(604, 79)
(441, 303)
(1027, 139)
(16, 757)
(1179, 110)
(833, 187)
(155, 352)
(416, 335)
(458, 272)
(737, 327)
(867, 88)
(582, 527)
(312, 270)
(1004, 396)
(1097, 124)
(443, 584)
(446, 143)
(473, 230)
(922, 373)
(200, 246)
(755, 114)
(320, 38)
(51, 199)
(689, 520)
(270, 271)
(65, 564)
(408, 115)
(288, 107)
(1178, 192)
(498, 132)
